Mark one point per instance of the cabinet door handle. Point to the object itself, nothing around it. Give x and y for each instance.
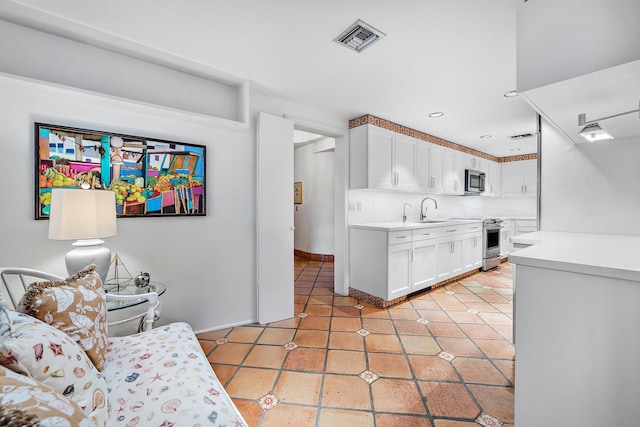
(401, 237)
(455, 185)
(452, 230)
(426, 234)
(411, 255)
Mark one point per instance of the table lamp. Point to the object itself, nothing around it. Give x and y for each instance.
(85, 215)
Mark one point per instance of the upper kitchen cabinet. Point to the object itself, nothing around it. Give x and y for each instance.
(438, 169)
(430, 167)
(520, 178)
(381, 159)
(476, 163)
(453, 172)
(493, 180)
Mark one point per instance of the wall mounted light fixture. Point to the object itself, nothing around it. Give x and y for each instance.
(592, 131)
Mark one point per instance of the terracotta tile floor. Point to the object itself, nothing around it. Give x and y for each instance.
(444, 358)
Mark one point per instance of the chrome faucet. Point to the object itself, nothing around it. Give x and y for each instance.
(423, 210)
(404, 212)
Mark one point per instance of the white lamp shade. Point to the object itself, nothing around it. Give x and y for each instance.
(82, 214)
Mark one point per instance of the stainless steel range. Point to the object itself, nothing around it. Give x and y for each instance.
(491, 243)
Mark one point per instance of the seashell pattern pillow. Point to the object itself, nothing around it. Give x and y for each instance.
(76, 306)
(27, 402)
(49, 356)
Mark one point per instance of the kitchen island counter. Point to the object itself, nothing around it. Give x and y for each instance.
(606, 255)
(575, 311)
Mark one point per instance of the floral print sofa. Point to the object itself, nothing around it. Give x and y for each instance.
(160, 377)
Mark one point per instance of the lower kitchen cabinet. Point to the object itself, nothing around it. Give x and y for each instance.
(391, 264)
(449, 257)
(423, 265)
(399, 270)
(472, 250)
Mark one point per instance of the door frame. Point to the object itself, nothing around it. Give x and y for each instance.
(341, 183)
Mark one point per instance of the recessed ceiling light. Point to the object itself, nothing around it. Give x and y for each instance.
(487, 136)
(436, 114)
(516, 149)
(511, 94)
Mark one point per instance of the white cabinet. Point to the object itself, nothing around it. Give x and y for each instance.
(449, 252)
(475, 163)
(439, 170)
(453, 171)
(520, 178)
(436, 169)
(399, 273)
(507, 231)
(493, 181)
(391, 264)
(423, 262)
(404, 162)
(381, 159)
(472, 247)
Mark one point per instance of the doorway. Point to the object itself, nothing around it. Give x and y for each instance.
(275, 223)
(314, 190)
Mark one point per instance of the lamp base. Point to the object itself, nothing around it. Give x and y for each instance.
(86, 252)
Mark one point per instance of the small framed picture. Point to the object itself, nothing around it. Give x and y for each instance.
(297, 193)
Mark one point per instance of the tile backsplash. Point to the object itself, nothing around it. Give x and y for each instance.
(368, 206)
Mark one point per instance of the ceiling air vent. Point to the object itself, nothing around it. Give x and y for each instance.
(522, 136)
(359, 36)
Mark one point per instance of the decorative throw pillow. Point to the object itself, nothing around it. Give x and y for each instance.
(76, 306)
(49, 356)
(25, 402)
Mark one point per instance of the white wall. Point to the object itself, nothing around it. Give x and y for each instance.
(590, 187)
(46, 57)
(559, 40)
(207, 262)
(314, 218)
(381, 206)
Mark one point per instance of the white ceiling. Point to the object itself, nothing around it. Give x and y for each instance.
(453, 56)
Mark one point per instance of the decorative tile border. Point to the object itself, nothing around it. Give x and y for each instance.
(381, 303)
(313, 257)
(369, 119)
(519, 158)
(375, 301)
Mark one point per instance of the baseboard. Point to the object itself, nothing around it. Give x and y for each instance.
(313, 257)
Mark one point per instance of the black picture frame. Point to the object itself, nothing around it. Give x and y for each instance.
(150, 177)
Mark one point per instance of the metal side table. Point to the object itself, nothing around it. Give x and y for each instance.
(121, 313)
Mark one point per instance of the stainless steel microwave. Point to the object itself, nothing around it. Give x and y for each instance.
(473, 182)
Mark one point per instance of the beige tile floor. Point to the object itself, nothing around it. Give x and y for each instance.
(444, 358)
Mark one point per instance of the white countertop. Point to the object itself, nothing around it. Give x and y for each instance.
(410, 225)
(595, 254)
